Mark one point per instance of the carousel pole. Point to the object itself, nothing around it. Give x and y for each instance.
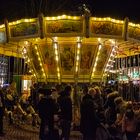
(125, 29)
(41, 26)
(7, 30)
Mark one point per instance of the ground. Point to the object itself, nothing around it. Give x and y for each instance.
(27, 132)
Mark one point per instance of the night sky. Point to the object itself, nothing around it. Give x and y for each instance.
(118, 9)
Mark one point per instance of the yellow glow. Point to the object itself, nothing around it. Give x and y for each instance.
(2, 26)
(78, 51)
(58, 69)
(55, 38)
(53, 18)
(39, 58)
(75, 18)
(58, 17)
(77, 58)
(56, 58)
(48, 18)
(100, 46)
(24, 50)
(76, 68)
(79, 45)
(40, 64)
(17, 22)
(58, 74)
(113, 20)
(95, 64)
(95, 18)
(112, 55)
(78, 39)
(63, 16)
(109, 18)
(56, 53)
(26, 42)
(26, 20)
(35, 47)
(55, 46)
(22, 20)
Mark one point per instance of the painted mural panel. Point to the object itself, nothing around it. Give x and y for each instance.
(134, 32)
(87, 55)
(49, 59)
(64, 26)
(24, 29)
(35, 61)
(103, 56)
(67, 56)
(108, 28)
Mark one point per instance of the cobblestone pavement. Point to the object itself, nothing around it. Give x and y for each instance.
(17, 133)
(27, 132)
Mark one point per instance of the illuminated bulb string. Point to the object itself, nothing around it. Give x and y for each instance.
(96, 60)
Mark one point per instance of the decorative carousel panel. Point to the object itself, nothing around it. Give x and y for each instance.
(67, 56)
(103, 56)
(106, 27)
(134, 32)
(64, 26)
(49, 61)
(35, 60)
(24, 29)
(87, 55)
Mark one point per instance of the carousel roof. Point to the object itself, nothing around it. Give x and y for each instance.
(70, 48)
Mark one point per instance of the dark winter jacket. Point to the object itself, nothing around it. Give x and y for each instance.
(65, 104)
(89, 120)
(47, 108)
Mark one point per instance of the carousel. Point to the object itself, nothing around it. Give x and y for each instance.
(74, 49)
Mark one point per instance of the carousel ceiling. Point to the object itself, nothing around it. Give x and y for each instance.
(73, 59)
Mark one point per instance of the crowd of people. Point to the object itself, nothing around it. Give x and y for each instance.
(102, 114)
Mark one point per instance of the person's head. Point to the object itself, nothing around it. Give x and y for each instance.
(98, 91)
(118, 100)
(45, 91)
(58, 88)
(129, 114)
(68, 90)
(92, 92)
(85, 90)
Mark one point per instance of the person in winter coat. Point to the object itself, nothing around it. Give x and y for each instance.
(65, 104)
(47, 108)
(2, 108)
(89, 120)
(129, 125)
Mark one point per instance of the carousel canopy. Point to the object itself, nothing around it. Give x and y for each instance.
(70, 48)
